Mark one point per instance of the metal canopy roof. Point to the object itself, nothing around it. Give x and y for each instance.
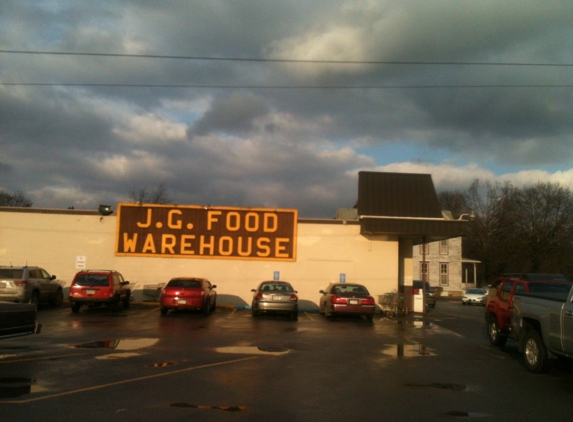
(403, 204)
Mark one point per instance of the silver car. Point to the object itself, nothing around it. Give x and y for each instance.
(275, 297)
(474, 296)
(30, 285)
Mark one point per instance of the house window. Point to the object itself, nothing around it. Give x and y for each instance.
(444, 273)
(444, 247)
(424, 271)
(424, 249)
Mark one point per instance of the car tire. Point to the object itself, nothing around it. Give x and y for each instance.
(58, 298)
(206, 309)
(35, 298)
(494, 332)
(114, 305)
(534, 352)
(163, 311)
(75, 307)
(126, 300)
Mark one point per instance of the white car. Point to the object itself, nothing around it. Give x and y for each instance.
(474, 296)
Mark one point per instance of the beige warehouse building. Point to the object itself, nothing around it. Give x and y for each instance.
(236, 248)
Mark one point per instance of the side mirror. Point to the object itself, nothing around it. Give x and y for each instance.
(253, 290)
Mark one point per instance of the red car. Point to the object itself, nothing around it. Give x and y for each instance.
(348, 299)
(189, 293)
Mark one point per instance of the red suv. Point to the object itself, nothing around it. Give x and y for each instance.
(99, 287)
(499, 302)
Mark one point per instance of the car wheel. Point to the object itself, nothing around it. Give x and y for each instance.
(293, 316)
(214, 305)
(114, 305)
(58, 298)
(163, 311)
(494, 332)
(535, 354)
(35, 298)
(126, 300)
(75, 307)
(206, 309)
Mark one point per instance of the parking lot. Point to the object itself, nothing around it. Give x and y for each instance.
(135, 365)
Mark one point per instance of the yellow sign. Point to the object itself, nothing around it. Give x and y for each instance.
(206, 232)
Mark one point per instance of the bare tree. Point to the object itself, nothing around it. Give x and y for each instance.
(490, 238)
(17, 199)
(454, 201)
(544, 224)
(155, 196)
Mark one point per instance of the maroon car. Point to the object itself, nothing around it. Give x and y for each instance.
(188, 293)
(348, 299)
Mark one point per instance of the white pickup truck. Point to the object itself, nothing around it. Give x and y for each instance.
(542, 323)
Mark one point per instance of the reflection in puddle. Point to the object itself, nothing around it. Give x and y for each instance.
(120, 344)
(253, 350)
(407, 350)
(15, 387)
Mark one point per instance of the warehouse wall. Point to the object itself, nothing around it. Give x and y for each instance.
(63, 241)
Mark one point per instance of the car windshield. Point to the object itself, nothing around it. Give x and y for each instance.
(476, 292)
(276, 287)
(185, 283)
(91, 280)
(11, 273)
(350, 289)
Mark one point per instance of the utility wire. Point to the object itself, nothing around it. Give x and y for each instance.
(239, 59)
(116, 85)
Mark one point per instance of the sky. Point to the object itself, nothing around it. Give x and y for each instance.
(258, 103)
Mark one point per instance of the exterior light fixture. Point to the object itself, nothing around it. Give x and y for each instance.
(105, 209)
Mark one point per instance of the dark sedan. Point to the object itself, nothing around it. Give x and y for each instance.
(275, 297)
(348, 299)
(18, 319)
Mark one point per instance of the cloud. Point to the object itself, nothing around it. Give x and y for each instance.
(300, 145)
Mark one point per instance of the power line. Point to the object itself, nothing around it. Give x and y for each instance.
(116, 85)
(240, 59)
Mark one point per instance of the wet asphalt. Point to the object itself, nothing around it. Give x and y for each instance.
(135, 365)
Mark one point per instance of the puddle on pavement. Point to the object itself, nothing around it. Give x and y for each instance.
(407, 350)
(15, 387)
(442, 386)
(415, 323)
(120, 344)
(253, 350)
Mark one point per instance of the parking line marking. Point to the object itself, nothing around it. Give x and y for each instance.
(43, 358)
(154, 310)
(111, 384)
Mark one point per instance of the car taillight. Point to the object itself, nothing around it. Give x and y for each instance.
(336, 299)
(294, 298)
(20, 282)
(259, 296)
(368, 301)
(202, 292)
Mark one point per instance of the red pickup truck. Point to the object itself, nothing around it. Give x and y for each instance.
(499, 302)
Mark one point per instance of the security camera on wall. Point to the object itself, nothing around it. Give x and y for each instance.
(105, 209)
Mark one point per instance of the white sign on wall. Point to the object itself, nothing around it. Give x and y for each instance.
(81, 262)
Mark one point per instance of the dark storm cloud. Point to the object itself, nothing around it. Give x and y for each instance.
(235, 114)
(279, 147)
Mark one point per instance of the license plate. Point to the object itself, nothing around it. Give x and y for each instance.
(277, 297)
(90, 292)
(353, 302)
(181, 301)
